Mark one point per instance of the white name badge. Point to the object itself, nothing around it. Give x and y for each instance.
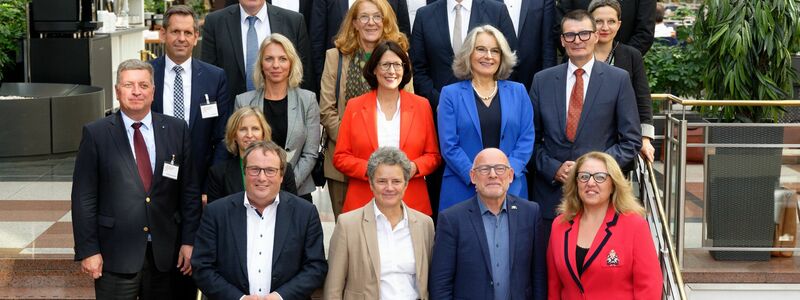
(170, 170)
(209, 110)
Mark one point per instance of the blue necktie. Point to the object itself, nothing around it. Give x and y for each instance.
(252, 49)
(177, 94)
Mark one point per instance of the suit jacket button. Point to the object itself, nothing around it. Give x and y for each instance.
(146, 229)
(491, 282)
(147, 199)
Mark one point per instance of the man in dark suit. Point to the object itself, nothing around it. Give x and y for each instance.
(262, 242)
(492, 238)
(182, 85)
(227, 31)
(327, 17)
(638, 21)
(533, 20)
(432, 52)
(566, 125)
(135, 205)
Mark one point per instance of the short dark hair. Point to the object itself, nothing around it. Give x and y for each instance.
(266, 146)
(614, 4)
(182, 10)
(578, 15)
(374, 60)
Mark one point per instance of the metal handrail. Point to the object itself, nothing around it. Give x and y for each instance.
(659, 207)
(650, 196)
(687, 102)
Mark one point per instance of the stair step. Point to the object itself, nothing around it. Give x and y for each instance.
(43, 278)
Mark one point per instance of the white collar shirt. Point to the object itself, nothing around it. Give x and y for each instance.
(398, 265)
(260, 242)
(413, 6)
(514, 10)
(147, 134)
(261, 25)
(388, 129)
(587, 71)
(293, 5)
(466, 8)
(169, 88)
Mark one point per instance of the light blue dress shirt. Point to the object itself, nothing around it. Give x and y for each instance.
(497, 238)
(147, 133)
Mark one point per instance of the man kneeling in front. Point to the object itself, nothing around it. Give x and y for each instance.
(262, 243)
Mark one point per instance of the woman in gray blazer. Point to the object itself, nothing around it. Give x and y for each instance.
(292, 112)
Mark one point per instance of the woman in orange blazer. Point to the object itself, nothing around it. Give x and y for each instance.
(387, 116)
(600, 245)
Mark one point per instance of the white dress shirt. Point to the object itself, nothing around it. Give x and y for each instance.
(466, 8)
(587, 71)
(398, 265)
(147, 134)
(292, 5)
(413, 6)
(169, 88)
(260, 242)
(388, 129)
(514, 9)
(261, 25)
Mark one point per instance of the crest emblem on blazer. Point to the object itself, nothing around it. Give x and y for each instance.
(612, 260)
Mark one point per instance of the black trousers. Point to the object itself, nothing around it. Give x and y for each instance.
(149, 283)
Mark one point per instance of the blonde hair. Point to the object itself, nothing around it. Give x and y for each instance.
(622, 197)
(346, 40)
(462, 68)
(236, 120)
(295, 73)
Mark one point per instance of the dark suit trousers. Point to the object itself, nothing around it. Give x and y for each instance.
(149, 283)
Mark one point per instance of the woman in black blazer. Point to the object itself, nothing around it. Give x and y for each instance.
(245, 126)
(606, 15)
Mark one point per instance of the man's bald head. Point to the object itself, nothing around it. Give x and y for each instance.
(491, 174)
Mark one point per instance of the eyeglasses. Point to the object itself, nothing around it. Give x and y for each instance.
(486, 169)
(364, 19)
(256, 171)
(599, 177)
(483, 51)
(569, 37)
(396, 66)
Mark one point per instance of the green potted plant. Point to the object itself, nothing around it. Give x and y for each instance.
(748, 47)
(12, 30)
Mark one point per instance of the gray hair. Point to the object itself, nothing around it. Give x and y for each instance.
(133, 64)
(181, 10)
(462, 67)
(389, 156)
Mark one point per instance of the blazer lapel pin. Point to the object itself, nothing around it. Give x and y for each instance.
(612, 259)
(513, 207)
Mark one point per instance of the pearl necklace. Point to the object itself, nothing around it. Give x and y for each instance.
(490, 97)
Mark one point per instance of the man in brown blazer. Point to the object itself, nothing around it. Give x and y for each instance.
(383, 249)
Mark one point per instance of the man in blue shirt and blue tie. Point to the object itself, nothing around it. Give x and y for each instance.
(489, 246)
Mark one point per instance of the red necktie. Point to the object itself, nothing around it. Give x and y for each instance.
(575, 105)
(142, 157)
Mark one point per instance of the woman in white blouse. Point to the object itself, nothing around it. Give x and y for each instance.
(382, 250)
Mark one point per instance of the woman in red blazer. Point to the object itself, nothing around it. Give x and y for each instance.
(387, 116)
(600, 245)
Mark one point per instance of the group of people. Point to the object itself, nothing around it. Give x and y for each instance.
(470, 123)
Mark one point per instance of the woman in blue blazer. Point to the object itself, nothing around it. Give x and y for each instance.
(483, 111)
